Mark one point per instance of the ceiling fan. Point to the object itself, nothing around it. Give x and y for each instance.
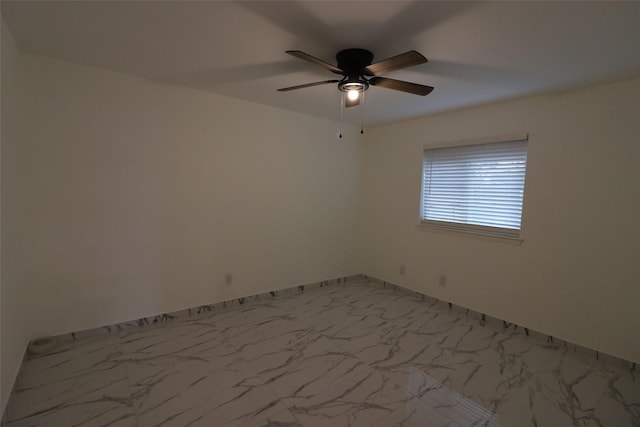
(355, 65)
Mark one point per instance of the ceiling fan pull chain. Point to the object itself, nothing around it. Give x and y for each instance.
(362, 121)
(341, 114)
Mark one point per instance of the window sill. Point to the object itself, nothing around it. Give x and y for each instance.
(472, 233)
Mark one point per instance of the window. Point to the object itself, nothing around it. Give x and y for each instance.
(476, 188)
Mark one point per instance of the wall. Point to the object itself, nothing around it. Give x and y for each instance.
(576, 274)
(13, 307)
(131, 198)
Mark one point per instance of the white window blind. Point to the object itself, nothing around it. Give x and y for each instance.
(477, 188)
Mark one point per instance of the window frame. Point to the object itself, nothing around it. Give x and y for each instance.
(472, 229)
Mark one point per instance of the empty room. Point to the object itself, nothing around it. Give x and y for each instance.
(320, 213)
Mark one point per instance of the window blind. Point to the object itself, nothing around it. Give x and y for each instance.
(475, 187)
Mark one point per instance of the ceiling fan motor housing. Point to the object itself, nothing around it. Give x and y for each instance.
(353, 62)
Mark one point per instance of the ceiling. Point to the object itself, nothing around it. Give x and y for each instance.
(479, 52)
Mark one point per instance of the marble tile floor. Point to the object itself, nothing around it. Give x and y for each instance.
(350, 354)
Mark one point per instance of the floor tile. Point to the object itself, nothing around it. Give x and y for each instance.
(71, 359)
(434, 404)
(188, 339)
(94, 398)
(281, 419)
(619, 405)
(346, 354)
(359, 400)
(303, 367)
(86, 414)
(161, 385)
(241, 405)
(565, 395)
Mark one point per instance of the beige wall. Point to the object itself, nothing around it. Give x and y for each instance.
(13, 305)
(127, 198)
(576, 274)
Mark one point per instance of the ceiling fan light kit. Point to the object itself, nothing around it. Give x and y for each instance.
(358, 71)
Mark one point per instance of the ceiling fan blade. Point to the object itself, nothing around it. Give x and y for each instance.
(404, 60)
(286, 89)
(305, 56)
(409, 87)
(349, 103)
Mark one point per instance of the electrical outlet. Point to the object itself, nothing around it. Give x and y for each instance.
(228, 279)
(443, 280)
